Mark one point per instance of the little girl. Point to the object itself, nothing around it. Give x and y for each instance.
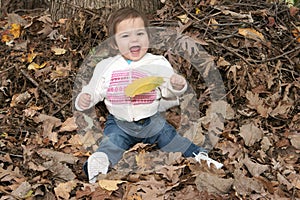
(135, 119)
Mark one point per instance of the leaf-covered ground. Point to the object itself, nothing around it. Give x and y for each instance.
(255, 48)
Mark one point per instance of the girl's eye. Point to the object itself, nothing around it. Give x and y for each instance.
(124, 36)
(141, 33)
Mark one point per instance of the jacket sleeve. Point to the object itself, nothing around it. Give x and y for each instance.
(167, 91)
(95, 87)
(169, 96)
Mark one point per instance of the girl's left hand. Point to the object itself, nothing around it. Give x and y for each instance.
(177, 81)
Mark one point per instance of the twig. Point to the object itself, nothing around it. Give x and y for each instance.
(59, 109)
(6, 69)
(13, 155)
(37, 85)
(232, 51)
(193, 16)
(279, 56)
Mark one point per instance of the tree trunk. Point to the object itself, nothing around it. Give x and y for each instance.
(63, 8)
(71, 8)
(22, 6)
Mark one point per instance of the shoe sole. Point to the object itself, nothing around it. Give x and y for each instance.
(97, 163)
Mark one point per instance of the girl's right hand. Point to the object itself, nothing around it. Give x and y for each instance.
(84, 101)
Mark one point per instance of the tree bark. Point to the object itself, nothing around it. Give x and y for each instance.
(21, 6)
(67, 8)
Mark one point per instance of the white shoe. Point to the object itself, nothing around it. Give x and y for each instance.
(97, 163)
(203, 156)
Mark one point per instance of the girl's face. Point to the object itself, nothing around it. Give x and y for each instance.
(132, 38)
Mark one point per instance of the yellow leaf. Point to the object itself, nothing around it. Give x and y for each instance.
(110, 185)
(58, 51)
(15, 30)
(213, 21)
(140, 159)
(296, 33)
(251, 33)
(31, 56)
(184, 18)
(143, 85)
(6, 38)
(35, 66)
(197, 11)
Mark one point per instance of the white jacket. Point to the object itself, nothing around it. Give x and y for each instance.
(113, 74)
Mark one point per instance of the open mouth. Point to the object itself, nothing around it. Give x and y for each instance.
(135, 49)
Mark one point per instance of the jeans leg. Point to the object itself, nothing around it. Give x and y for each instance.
(115, 142)
(170, 141)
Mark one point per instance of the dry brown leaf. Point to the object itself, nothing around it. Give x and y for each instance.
(295, 141)
(49, 122)
(69, 125)
(141, 160)
(213, 184)
(245, 185)
(251, 33)
(195, 133)
(57, 156)
(36, 167)
(58, 51)
(257, 103)
(88, 139)
(60, 171)
(23, 190)
(20, 98)
(10, 174)
(294, 178)
(282, 180)
(229, 147)
(173, 158)
(282, 109)
(63, 190)
(110, 185)
(250, 133)
(254, 168)
(171, 173)
(152, 189)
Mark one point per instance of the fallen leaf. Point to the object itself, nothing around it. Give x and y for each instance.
(254, 168)
(282, 180)
(251, 33)
(281, 109)
(250, 133)
(213, 184)
(69, 125)
(60, 171)
(295, 141)
(58, 51)
(20, 98)
(23, 190)
(183, 18)
(34, 66)
(110, 185)
(15, 30)
(58, 156)
(171, 173)
(245, 185)
(63, 190)
(49, 122)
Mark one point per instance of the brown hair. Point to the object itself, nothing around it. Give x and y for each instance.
(122, 14)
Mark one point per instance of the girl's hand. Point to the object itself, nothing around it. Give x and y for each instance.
(177, 81)
(84, 101)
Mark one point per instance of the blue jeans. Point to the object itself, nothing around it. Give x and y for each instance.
(120, 136)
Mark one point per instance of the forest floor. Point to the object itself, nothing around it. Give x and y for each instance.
(243, 67)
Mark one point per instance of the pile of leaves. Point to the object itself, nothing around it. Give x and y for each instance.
(255, 48)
